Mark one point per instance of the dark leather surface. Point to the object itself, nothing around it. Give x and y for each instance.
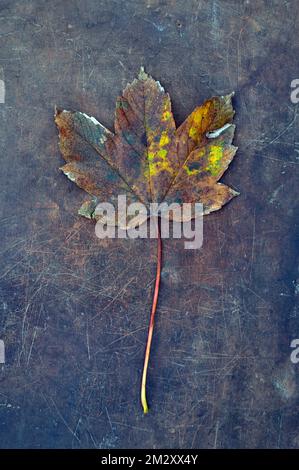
(73, 309)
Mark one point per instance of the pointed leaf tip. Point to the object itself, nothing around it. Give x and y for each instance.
(142, 74)
(57, 111)
(235, 193)
(88, 208)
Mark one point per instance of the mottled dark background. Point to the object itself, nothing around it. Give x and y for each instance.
(74, 309)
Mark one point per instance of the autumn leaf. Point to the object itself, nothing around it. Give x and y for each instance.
(148, 159)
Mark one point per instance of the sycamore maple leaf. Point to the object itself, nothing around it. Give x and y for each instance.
(148, 159)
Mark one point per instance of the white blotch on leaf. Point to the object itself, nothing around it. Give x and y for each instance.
(217, 132)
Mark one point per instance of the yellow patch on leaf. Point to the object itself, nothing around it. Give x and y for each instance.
(166, 115)
(199, 121)
(164, 139)
(215, 157)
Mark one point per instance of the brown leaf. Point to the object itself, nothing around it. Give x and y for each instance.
(147, 158)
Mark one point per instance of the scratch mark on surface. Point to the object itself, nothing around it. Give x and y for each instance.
(253, 244)
(61, 417)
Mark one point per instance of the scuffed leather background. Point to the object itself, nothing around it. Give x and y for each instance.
(73, 309)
